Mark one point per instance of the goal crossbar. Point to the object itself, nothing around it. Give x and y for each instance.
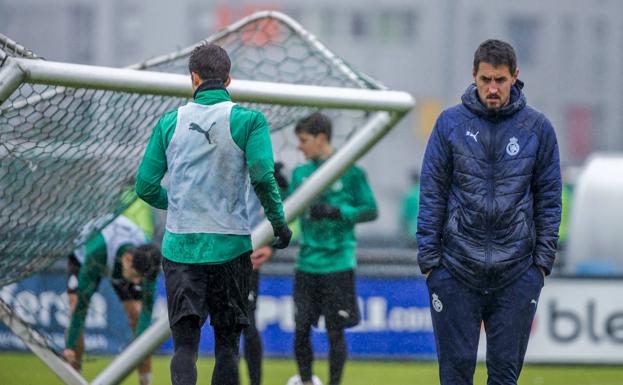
(166, 84)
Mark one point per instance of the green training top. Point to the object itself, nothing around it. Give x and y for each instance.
(410, 211)
(250, 132)
(328, 245)
(92, 269)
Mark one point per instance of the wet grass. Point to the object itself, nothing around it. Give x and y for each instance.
(22, 369)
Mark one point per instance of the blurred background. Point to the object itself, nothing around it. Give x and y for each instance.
(570, 55)
(569, 51)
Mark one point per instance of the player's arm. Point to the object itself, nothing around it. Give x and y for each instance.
(547, 190)
(360, 208)
(259, 155)
(251, 133)
(88, 277)
(154, 163)
(434, 191)
(363, 207)
(147, 306)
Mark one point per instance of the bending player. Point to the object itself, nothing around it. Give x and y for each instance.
(120, 252)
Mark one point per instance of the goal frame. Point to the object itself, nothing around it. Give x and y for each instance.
(388, 107)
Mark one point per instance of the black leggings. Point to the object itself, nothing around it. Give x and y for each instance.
(305, 355)
(253, 352)
(186, 334)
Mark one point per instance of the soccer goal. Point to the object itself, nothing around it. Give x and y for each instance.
(73, 136)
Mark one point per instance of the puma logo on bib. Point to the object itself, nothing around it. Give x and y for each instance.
(196, 127)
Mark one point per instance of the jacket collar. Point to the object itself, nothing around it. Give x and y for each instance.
(211, 92)
(517, 102)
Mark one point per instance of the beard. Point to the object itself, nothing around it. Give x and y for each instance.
(493, 99)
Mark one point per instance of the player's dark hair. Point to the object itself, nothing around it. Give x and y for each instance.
(314, 124)
(210, 62)
(146, 260)
(496, 53)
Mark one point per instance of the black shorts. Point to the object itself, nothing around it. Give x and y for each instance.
(332, 295)
(218, 290)
(125, 290)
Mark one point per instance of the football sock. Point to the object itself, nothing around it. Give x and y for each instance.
(253, 353)
(303, 352)
(226, 351)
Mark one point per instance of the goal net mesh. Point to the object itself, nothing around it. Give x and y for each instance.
(68, 156)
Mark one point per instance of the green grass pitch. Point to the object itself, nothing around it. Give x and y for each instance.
(26, 369)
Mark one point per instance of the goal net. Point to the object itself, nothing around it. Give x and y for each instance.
(69, 154)
(73, 135)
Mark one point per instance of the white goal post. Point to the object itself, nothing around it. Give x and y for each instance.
(36, 343)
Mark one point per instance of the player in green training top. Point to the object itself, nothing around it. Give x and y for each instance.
(324, 281)
(211, 149)
(121, 252)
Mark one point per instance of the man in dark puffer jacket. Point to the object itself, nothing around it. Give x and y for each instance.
(490, 205)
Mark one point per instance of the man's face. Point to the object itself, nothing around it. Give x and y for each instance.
(128, 270)
(310, 145)
(494, 84)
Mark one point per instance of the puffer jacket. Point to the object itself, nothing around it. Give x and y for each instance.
(490, 194)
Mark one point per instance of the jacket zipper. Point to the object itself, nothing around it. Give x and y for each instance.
(488, 211)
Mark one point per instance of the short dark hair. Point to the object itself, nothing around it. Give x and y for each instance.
(146, 260)
(496, 53)
(210, 62)
(314, 124)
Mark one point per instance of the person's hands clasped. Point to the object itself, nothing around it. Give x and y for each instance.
(324, 211)
(283, 235)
